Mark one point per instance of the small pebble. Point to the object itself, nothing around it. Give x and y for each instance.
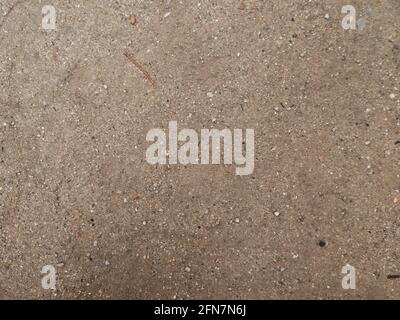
(276, 213)
(136, 196)
(322, 243)
(132, 19)
(187, 269)
(392, 96)
(210, 94)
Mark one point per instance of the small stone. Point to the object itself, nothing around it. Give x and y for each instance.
(187, 269)
(132, 19)
(210, 94)
(237, 220)
(392, 96)
(136, 196)
(276, 213)
(395, 200)
(327, 16)
(107, 263)
(367, 143)
(167, 14)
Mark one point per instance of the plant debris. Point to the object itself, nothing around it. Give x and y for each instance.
(140, 67)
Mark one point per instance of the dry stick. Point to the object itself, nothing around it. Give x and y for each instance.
(141, 68)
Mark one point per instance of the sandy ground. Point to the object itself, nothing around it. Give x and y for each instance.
(77, 193)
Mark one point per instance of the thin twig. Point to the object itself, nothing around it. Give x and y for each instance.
(140, 67)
